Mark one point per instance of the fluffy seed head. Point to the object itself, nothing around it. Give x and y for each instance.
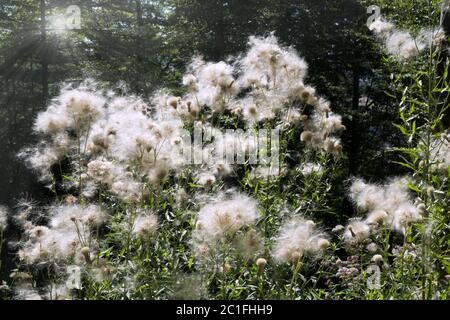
(225, 217)
(357, 231)
(306, 136)
(145, 225)
(298, 238)
(372, 247)
(376, 217)
(261, 262)
(377, 259)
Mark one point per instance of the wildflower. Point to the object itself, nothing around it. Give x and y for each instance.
(71, 199)
(126, 189)
(396, 193)
(100, 170)
(333, 145)
(173, 102)
(347, 272)
(306, 136)
(338, 228)
(430, 191)
(376, 217)
(260, 264)
(189, 80)
(86, 254)
(181, 196)
(381, 27)
(401, 44)
(357, 231)
(298, 238)
(323, 244)
(356, 188)
(83, 104)
(118, 145)
(52, 121)
(390, 204)
(422, 208)
(38, 232)
(67, 233)
(332, 123)
(41, 159)
(217, 219)
(372, 247)
(370, 197)
(377, 259)
(193, 108)
(250, 244)
(404, 215)
(158, 174)
(206, 180)
(145, 225)
(214, 82)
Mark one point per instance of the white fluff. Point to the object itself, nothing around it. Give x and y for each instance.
(298, 237)
(401, 44)
(218, 219)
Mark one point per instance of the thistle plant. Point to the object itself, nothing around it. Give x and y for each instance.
(140, 218)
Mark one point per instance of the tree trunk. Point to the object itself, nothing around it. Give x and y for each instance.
(140, 47)
(44, 55)
(219, 35)
(355, 127)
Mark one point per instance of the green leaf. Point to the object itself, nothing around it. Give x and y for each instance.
(402, 129)
(404, 165)
(69, 178)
